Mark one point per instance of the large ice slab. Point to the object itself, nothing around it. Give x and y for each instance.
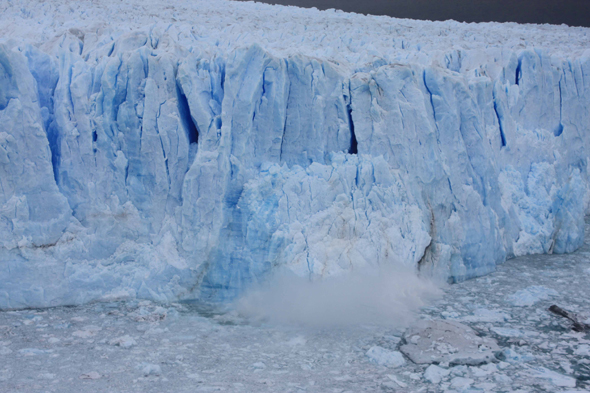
(189, 150)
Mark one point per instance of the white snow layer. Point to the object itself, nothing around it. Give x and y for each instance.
(167, 150)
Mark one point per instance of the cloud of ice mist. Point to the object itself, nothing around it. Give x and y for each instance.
(387, 297)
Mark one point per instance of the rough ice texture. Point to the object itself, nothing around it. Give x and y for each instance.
(385, 357)
(167, 151)
(447, 342)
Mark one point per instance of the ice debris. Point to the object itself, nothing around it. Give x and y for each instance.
(461, 383)
(397, 381)
(582, 350)
(123, 342)
(149, 369)
(512, 332)
(511, 356)
(531, 295)
(435, 374)
(485, 315)
(385, 357)
(33, 351)
(450, 342)
(555, 378)
(258, 366)
(90, 375)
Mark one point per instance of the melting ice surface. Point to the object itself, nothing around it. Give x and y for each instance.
(191, 150)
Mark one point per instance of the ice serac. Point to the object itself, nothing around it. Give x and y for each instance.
(164, 163)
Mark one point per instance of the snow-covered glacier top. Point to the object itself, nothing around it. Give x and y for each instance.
(190, 149)
(218, 26)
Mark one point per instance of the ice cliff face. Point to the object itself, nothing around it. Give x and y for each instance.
(188, 151)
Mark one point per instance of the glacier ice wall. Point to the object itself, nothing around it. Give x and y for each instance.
(154, 164)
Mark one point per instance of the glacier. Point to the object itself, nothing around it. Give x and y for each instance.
(188, 151)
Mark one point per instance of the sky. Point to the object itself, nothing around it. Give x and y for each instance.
(570, 12)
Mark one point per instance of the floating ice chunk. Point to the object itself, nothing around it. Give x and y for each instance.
(154, 331)
(485, 315)
(531, 295)
(5, 351)
(397, 381)
(447, 342)
(30, 319)
(259, 366)
(90, 375)
(459, 371)
(450, 315)
(512, 332)
(555, 378)
(221, 388)
(461, 383)
(144, 314)
(296, 341)
(502, 378)
(484, 370)
(503, 365)
(149, 369)
(83, 333)
(33, 351)
(511, 356)
(583, 350)
(123, 342)
(566, 366)
(486, 386)
(385, 357)
(574, 391)
(87, 331)
(435, 374)
(196, 378)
